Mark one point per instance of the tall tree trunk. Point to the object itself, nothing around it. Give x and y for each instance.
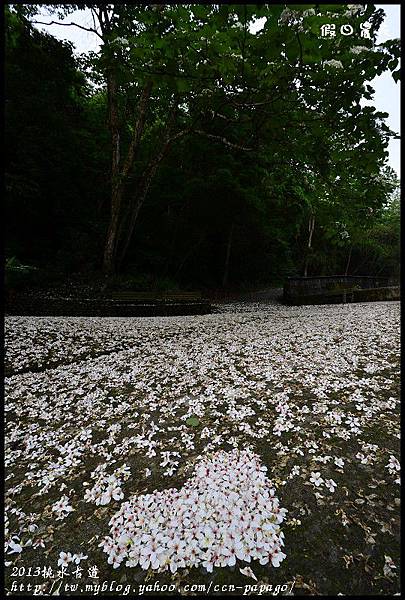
(119, 175)
(110, 248)
(311, 227)
(116, 190)
(227, 257)
(188, 254)
(128, 224)
(348, 261)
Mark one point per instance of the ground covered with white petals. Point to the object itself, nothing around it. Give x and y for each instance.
(259, 443)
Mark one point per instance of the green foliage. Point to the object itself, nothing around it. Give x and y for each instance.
(379, 246)
(51, 161)
(19, 276)
(314, 150)
(13, 263)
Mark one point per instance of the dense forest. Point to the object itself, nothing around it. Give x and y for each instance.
(195, 150)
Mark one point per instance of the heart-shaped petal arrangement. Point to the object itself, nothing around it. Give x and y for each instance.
(226, 511)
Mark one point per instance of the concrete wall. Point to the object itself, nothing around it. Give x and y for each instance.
(64, 307)
(381, 294)
(306, 286)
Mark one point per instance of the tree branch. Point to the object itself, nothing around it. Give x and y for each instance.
(223, 140)
(138, 129)
(300, 45)
(68, 25)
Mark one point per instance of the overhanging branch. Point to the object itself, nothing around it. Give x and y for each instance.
(223, 140)
(68, 25)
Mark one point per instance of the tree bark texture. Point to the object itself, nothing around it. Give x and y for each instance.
(119, 174)
(348, 261)
(311, 227)
(227, 257)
